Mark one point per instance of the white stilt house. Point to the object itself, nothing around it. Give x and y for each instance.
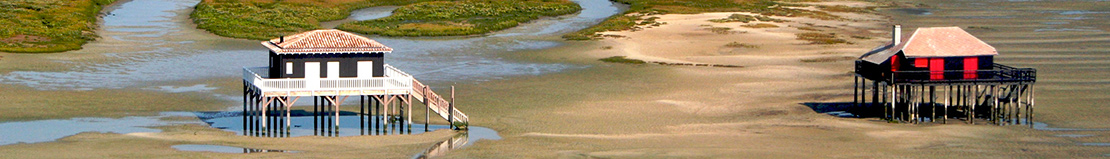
(333, 65)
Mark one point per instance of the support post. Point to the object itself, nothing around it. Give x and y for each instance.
(451, 110)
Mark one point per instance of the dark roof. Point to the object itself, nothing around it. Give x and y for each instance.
(324, 41)
(880, 54)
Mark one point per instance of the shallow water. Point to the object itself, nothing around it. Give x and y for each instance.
(1045, 127)
(913, 11)
(152, 41)
(1095, 144)
(223, 149)
(1074, 135)
(362, 14)
(349, 125)
(50, 130)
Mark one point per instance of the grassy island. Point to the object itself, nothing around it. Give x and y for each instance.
(454, 18)
(36, 26)
(265, 19)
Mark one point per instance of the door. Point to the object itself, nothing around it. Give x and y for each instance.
(936, 68)
(971, 66)
(333, 69)
(312, 74)
(365, 69)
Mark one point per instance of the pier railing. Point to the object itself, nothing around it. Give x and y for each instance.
(394, 82)
(999, 73)
(387, 83)
(437, 103)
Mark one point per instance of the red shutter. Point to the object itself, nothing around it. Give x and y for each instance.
(894, 63)
(971, 65)
(921, 63)
(936, 68)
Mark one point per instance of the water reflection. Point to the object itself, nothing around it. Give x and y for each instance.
(223, 149)
(302, 123)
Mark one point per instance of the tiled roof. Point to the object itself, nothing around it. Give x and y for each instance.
(945, 42)
(324, 41)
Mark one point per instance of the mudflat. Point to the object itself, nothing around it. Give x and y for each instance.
(759, 110)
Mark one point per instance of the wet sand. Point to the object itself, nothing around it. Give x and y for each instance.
(609, 110)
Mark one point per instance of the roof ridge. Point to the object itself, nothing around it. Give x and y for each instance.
(325, 41)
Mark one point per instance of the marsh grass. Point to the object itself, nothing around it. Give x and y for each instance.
(640, 8)
(746, 18)
(455, 18)
(820, 38)
(267, 19)
(760, 25)
(622, 59)
(848, 9)
(740, 45)
(39, 26)
(720, 30)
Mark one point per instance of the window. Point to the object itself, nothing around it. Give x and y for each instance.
(288, 68)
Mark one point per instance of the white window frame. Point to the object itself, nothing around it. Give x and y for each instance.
(288, 68)
(365, 69)
(333, 69)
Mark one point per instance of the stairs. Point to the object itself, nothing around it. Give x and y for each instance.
(438, 104)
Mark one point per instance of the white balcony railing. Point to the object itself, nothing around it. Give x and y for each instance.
(394, 80)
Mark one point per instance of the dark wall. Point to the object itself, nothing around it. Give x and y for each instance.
(986, 62)
(952, 63)
(348, 63)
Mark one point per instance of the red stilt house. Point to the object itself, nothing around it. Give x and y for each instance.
(918, 78)
(935, 53)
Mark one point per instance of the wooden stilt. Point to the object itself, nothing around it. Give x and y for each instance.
(947, 95)
(427, 112)
(451, 110)
(361, 114)
(855, 91)
(408, 103)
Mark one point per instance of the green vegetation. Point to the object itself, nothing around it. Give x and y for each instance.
(266, 19)
(740, 45)
(843, 8)
(745, 19)
(468, 17)
(622, 59)
(760, 25)
(820, 38)
(721, 30)
(36, 26)
(806, 28)
(641, 8)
